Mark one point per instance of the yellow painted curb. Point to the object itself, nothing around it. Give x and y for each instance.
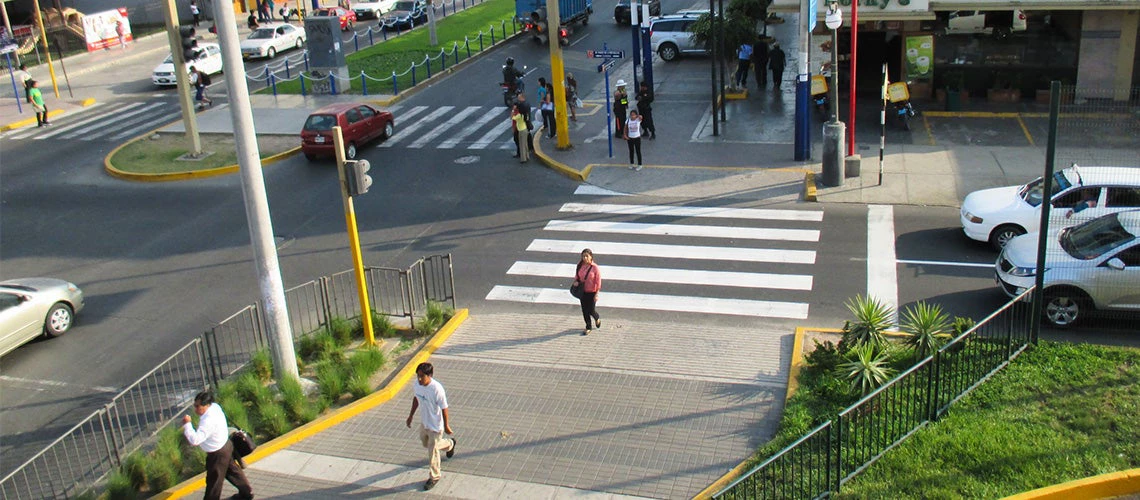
(321, 424)
(735, 95)
(109, 167)
(719, 484)
(810, 190)
(29, 121)
(1112, 484)
(87, 102)
(558, 166)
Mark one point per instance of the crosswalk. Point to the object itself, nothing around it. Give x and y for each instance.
(674, 259)
(102, 121)
(451, 127)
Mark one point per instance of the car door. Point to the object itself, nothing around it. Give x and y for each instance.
(213, 60)
(1117, 288)
(355, 132)
(18, 321)
(280, 39)
(369, 121)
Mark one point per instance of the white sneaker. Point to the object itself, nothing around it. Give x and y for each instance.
(638, 168)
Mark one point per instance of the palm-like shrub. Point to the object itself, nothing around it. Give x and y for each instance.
(867, 368)
(872, 318)
(927, 326)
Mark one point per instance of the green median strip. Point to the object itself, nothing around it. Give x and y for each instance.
(160, 153)
(399, 53)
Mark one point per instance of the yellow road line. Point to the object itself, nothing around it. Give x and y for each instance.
(929, 133)
(1025, 129)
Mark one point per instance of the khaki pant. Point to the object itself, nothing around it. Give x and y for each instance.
(522, 137)
(434, 442)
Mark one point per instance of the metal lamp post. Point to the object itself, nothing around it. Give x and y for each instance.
(834, 130)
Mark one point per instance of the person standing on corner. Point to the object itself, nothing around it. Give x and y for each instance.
(590, 279)
(776, 61)
(760, 62)
(37, 99)
(572, 96)
(213, 436)
(547, 108)
(527, 112)
(633, 139)
(434, 420)
(121, 32)
(621, 107)
(645, 109)
(25, 79)
(196, 12)
(518, 126)
(743, 60)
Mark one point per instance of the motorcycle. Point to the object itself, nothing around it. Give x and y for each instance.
(819, 94)
(904, 111)
(898, 93)
(511, 91)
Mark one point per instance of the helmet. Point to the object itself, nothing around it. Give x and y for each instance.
(510, 61)
(620, 83)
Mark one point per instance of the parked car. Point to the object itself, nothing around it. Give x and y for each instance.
(372, 10)
(30, 307)
(405, 13)
(359, 124)
(208, 60)
(622, 15)
(347, 17)
(670, 36)
(1000, 23)
(270, 39)
(1095, 265)
(998, 214)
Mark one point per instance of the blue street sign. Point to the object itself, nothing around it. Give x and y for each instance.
(606, 54)
(813, 9)
(606, 66)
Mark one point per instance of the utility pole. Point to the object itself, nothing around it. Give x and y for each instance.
(802, 147)
(354, 182)
(557, 73)
(47, 50)
(185, 100)
(280, 332)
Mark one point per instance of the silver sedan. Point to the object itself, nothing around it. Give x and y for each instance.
(30, 307)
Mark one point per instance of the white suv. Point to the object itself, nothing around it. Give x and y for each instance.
(670, 35)
(1093, 265)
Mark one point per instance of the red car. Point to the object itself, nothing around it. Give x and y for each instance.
(359, 123)
(347, 17)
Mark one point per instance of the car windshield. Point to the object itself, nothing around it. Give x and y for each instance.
(324, 13)
(405, 6)
(1031, 192)
(320, 122)
(1094, 238)
(262, 34)
(169, 59)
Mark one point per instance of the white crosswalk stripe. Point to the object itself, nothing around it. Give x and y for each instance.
(455, 119)
(30, 131)
(455, 139)
(97, 119)
(133, 131)
(102, 121)
(117, 117)
(410, 130)
(758, 271)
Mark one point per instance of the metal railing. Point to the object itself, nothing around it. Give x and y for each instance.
(819, 463)
(96, 446)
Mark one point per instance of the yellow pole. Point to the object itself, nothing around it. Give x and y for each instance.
(47, 50)
(557, 73)
(353, 240)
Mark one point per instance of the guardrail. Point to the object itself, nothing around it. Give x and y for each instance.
(819, 463)
(77, 460)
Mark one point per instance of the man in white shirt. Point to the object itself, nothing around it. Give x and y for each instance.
(434, 420)
(213, 436)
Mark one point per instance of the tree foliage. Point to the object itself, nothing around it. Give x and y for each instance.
(741, 19)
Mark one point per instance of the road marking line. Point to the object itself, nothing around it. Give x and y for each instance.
(490, 136)
(57, 384)
(943, 263)
(69, 126)
(654, 302)
(686, 211)
(443, 127)
(455, 139)
(148, 124)
(1028, 136)
(592, 190)
(118, 117)
(510, 144)
(145, 119)
(21, 134)
(676, 251)
(411, 129)
(674, 276)
(750, 233)
(882, 273)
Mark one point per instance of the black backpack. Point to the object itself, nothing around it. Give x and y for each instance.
(243, 445)
(204, 78)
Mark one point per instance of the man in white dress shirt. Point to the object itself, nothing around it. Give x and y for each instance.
(434, 420)
(213, 436)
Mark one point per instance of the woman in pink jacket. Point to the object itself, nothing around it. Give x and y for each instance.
(590, 278)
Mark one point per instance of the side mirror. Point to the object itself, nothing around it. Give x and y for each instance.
(1115, 263)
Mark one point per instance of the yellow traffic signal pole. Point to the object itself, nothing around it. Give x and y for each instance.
(557, 73)
(353, 239)
(47, 51)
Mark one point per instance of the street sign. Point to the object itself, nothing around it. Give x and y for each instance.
(606, 66)
(605, 54)
(813, 10)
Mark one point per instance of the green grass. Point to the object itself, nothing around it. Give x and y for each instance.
(400, 52)
(160, 153)
(262, 364)
(1059, 412)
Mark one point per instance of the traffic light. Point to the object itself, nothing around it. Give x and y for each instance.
(356, 176)
(189, 44)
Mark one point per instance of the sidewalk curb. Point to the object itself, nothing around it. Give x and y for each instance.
(1108, 485)
(315, 427)
(558, 166)
(810, 190)
(111, 170)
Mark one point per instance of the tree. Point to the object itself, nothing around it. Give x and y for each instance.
(740, 21)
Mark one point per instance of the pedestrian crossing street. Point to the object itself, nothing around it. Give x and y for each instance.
(103, 121)
(674, 259)
(452, 127)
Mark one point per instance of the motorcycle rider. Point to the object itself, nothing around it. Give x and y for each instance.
(511, 74)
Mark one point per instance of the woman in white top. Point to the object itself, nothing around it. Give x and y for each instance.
(633, 138)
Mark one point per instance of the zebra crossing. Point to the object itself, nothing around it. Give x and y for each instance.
(674, 259)
(451, 127)
(102, 121)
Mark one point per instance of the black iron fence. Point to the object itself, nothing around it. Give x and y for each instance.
(94, 447)
(817, 464)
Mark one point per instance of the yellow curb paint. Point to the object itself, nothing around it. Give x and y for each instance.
(1110, 485)
(1025, 129)
(558, 166)
(929, 133)
(594, 108)
(29, 121)
(87, 102)
(724, 480)
(113, 171)
(810, 190)
(734, 95)
(321, 424)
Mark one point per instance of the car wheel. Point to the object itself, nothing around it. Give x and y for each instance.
(350, 151)
(668, 52)
(271, 53)
(58, 320)
(1065, 307)
(310, 157)
(1000, 236)
(389, 129)
(299, 43)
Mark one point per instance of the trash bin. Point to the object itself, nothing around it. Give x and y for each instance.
(953, 100)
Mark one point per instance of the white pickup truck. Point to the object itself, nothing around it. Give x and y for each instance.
(1000, 23)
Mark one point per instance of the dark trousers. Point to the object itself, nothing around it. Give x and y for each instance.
(634, 144)
(589, 309)
(197, 19)
(221, 464)
(761, 75)
(622, 115)
(549, 122)
(742, 72)
(647, 122)
(42, 117)
(777, 75)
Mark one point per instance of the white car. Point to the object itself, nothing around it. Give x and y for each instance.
(1093, 265)
(270, 39)
(998, 23)
(670, 36)
(33, 307)
(1079, 194)
(208, 60)
(372, 10)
